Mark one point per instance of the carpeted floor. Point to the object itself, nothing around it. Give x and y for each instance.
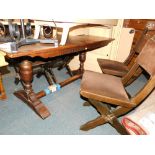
(66, 107)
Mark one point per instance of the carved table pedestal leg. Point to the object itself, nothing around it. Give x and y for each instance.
(27, 95)
(82, 59)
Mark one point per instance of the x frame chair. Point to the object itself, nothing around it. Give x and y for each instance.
(108, 95)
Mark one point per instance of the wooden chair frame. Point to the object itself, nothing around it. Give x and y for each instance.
(2, 91)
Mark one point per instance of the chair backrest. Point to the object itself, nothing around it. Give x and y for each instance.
(150, 27)
(142, 40)
(145, 60)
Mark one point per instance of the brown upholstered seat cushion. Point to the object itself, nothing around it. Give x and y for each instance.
(112, 67)
(103, 87)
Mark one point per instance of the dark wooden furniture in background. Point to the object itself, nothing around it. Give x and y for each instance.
(75, 45)
(139, 25)
(107, 92)
(121, 68)
(2, 91)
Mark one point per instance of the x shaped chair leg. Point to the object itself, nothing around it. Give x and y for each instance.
(106, 116)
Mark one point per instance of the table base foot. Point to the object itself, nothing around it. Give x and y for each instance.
(34, 103)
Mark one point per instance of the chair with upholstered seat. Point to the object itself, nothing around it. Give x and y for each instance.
(108, 95)
(2, 91)
(121, 68)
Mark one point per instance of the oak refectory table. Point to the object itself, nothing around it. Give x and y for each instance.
(75, 44)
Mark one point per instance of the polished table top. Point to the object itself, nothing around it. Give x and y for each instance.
(74, 44)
